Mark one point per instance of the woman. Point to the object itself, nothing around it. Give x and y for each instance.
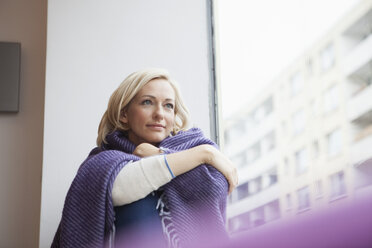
(148, 170)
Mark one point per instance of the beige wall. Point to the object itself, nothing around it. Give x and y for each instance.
(21, 134)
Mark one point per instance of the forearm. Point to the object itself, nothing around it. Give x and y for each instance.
(138, 179)
(184, 161)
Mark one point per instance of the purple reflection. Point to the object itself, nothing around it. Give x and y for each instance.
(341, 226)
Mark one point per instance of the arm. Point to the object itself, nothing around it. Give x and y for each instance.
(137, 179)
(184, 161)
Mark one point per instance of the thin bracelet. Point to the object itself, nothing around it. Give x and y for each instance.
(166, 163)
(164, 150)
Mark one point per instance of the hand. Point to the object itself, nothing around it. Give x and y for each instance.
(146, 150)
(218, 160)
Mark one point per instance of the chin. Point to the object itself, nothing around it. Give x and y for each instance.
(156, 139)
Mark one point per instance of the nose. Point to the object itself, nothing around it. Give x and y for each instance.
(159, 112)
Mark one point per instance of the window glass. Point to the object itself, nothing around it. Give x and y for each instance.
(327, 57)
(331, 99)
(334, 142)
(318, 188)
(268, 142)
(286, 166)
(303, 197)
(255, 185)
(296, 83)
(315, 147)
(337, 184)
(295, 95)
(242, 191)
(301, 161)
(309, 67)
(299, 122)
(289, 201)
(240, 160)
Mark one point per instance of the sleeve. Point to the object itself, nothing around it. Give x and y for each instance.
(137, 179)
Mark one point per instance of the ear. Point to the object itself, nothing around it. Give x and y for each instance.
(123, 118)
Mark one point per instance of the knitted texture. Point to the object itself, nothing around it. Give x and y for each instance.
(196, 199)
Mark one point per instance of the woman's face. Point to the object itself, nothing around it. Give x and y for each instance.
(150, 114)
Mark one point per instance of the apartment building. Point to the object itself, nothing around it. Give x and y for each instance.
(304, 142)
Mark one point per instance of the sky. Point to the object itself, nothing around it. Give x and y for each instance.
(259, 38)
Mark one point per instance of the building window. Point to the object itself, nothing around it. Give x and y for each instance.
(283, 91)
(331, 99)
(315, 149)
(315, 107)
(303, 196)
(254, 153)
(334, 141)
(288, 200)
(242, 191)
(337, 185)
(255, 185)
(236, 131)
(309, 67)
(269, 106)
(268, 143)
(327, 57)
(286, 166)
(284, 128)
(272, 211)
(257, 216)
(259, 114)
(299, 122)
(270, 178)
(240, 160)
(297, 83)
(318, 189)
(301, 161)
(239, 223)
(273, 176)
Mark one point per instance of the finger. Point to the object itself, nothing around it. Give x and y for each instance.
(231, 186)
(233, 183)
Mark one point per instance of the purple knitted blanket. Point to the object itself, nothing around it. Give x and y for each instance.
(196, 200)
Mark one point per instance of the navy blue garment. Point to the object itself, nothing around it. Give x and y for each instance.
(138, 224)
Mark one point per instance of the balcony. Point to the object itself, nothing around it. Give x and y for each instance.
(361, 149)
(268, 195)
(253, 134)
(358, 57)
(360, 104)
(259, 167)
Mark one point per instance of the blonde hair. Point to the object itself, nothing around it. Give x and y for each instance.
(124, 94)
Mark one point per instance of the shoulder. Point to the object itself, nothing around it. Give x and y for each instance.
(99, 154)
(194, 131)
(186, 139)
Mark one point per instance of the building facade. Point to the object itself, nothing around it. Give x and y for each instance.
(304, 143)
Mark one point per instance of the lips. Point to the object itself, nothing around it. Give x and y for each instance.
(155, 125)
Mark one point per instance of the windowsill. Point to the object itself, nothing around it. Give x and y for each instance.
(301, 172)
(298, 133)
(337, 198)
(334, 156)
(327, 69)
(318, 197)
(331, 111)
(303, 210)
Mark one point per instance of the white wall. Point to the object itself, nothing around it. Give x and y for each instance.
(21, 134)
(91, 47)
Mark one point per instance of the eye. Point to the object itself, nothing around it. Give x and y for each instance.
(146, 102)
(169, 105)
